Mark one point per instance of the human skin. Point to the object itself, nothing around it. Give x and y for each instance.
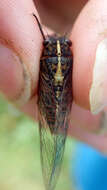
(21, 46)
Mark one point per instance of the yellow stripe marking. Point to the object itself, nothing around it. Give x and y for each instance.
(58, 75)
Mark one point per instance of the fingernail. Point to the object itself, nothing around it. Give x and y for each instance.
(98, 91)
(14, 80)
(103, 123)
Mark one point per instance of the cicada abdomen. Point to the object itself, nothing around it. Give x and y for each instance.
(54, 103)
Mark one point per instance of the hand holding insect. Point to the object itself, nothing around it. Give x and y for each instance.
(20, 53)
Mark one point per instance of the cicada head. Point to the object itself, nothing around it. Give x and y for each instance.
(50, 46)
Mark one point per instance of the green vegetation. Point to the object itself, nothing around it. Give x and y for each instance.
(20, 154)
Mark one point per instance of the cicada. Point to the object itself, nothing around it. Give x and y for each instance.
(54, 103)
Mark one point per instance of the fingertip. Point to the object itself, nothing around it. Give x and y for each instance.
(84, 38)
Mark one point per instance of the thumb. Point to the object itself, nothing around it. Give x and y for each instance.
(20, 42)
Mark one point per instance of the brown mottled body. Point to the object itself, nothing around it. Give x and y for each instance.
(55, 84)
(54, 102)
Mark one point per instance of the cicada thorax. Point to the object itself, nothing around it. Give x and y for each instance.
(55, 93)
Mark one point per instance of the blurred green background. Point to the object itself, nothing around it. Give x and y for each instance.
(20, 152)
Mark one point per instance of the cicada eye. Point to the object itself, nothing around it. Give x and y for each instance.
(46, 42)
(68, 42)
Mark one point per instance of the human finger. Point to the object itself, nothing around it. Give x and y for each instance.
(20, 49)
(89, 48)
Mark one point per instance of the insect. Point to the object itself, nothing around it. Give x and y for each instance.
(54, 102)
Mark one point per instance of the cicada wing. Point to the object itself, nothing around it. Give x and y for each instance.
(52, 138)
(52, 146)
(52, 150)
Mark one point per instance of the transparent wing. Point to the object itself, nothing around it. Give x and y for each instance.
(52, 150)
(52, 146)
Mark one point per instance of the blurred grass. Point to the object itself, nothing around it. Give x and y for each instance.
(20, 152)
